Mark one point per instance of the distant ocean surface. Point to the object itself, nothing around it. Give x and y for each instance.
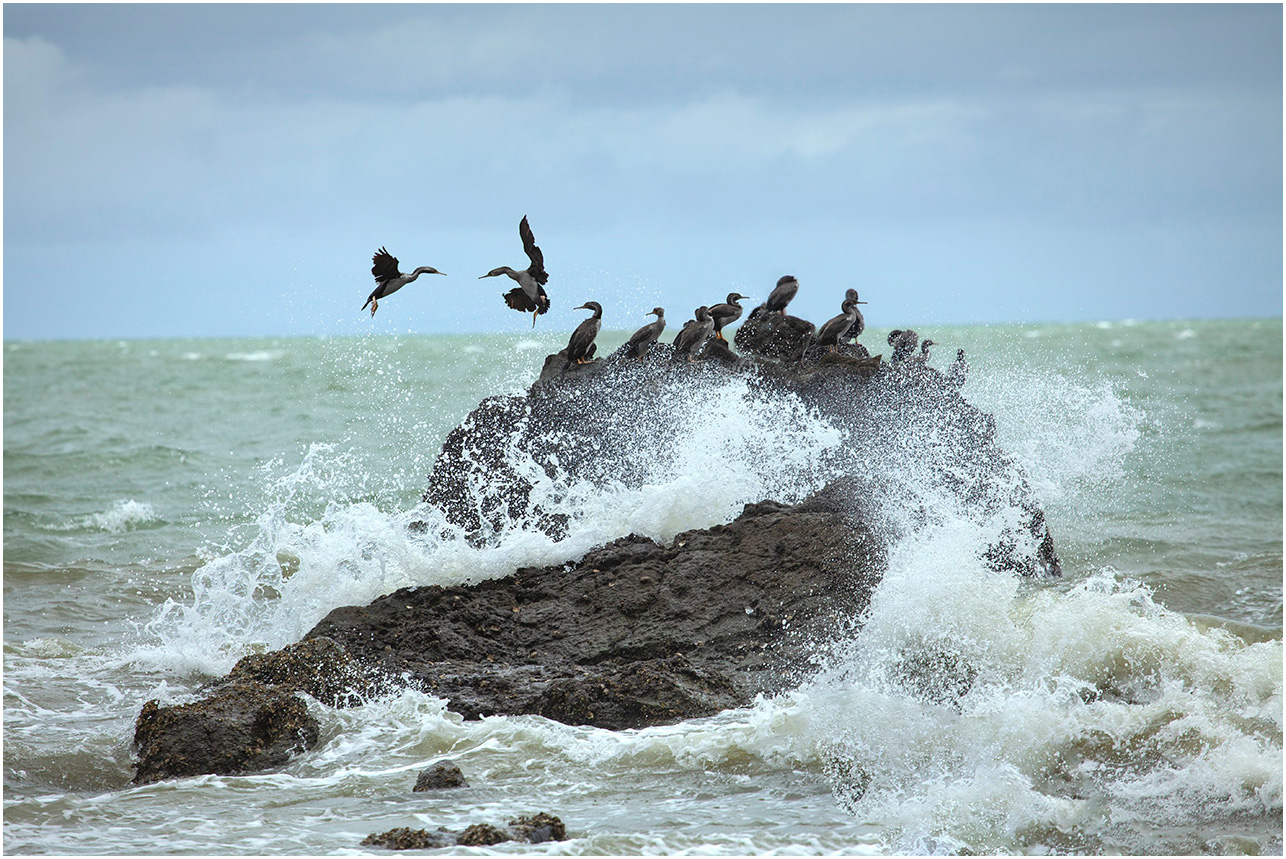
(172, 505)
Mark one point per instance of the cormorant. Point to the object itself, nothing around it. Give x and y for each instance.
(529, 296)
(860, 325)
(959, 369)
(388, 279)
(640, 341)
(694, 334)
(923, 357)
(726, 314)
(903, 343)
(830, 331)
(781, 294)
(581, 344)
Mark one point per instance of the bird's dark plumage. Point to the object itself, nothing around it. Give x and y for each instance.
(959, 369)
(580, 346)
(726, 314)
(640, 341)
(782, 293)
(694, 334)
(859, 325)
(529, 296)
(388, 279)
(903, 343)
(829, 334)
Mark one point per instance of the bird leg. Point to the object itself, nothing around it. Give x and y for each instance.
(533, 318)
(374, 304)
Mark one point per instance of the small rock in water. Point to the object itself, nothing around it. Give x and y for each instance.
(481, 835)
(538, 828)
(405, 838)
(440, 776)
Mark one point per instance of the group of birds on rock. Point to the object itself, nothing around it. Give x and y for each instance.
(529, 296)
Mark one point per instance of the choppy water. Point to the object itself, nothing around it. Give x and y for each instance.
(172, 505)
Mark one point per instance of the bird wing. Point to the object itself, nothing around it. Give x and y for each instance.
(385, 266)
(537, 267)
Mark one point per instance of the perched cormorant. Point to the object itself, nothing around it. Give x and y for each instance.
(529, 295)
(781, 294)
(388, 279)
(726, 314)
(640, 341)
(959, 369)
(859, 326)
(828, 334)
(694, 334)
(923, 357)
(581, 344)
(903, 343)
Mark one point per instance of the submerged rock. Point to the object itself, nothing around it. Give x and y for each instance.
(440, 777)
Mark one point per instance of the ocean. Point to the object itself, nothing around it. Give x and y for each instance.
(173, 505)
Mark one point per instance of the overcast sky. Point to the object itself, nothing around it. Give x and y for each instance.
(211, 170)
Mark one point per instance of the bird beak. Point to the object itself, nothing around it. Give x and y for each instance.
(859, 302)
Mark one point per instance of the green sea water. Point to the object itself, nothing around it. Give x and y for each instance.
(171, 505)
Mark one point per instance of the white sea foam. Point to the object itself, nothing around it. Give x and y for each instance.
(125, 515)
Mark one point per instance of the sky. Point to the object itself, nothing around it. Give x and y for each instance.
(229, 169)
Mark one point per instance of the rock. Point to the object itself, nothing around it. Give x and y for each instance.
(318, 666)
(635, 633)
(538, 829)
(774, 335)
(440, 777)
(535, 829)
(246, 727)
(405, 838)
(481, 835)
(906, 433)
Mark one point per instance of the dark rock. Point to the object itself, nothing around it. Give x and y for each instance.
(538, 829)
(481, 835)
(774, 335)
(635, 633)
(440, 777)
(246, 727)
(318, 666)
(404, 838)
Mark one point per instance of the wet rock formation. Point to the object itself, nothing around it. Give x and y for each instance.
(244, 727)
(635, 633)
(639, 633)
(535, 829)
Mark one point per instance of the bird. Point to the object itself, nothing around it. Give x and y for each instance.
(923, 357)
(388, 279)
(829, 333)
(640, 341)
(903, 343)
(529, 295)
(781, 294)
(694, 334)
(859, 326)
(959, 369)
(580, 346)
(726, 314)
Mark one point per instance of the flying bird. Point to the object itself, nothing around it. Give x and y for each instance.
(529, 295)
(580, 346)
(726, 314)
(640, 341)
(781, 294)
(388, 279)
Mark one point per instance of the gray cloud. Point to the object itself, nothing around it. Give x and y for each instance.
(1047, 157)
